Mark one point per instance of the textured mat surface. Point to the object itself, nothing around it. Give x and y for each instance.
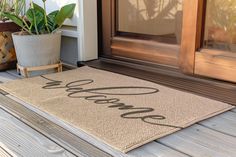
(120, 111)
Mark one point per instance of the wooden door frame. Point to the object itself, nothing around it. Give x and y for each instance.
(190, 58)
(199, 61)
(116, 45)
(107, 23)
(191, 34)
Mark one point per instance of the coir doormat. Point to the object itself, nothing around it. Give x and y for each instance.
(120, 111)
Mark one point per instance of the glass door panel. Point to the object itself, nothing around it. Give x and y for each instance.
(143, 30)
(159, 20)
(220, 25)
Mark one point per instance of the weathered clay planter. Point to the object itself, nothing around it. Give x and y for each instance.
(37, 50)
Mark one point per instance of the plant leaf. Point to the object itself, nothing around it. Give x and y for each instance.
(15, 19)
(41, 27)
(38, 8)
(52, 16)
(52, 20)
(34, 16)
(66, 12)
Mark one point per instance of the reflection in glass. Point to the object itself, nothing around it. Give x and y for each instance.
(220, 27)
(159, 18)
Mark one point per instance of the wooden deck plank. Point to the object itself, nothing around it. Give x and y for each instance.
(51, 130)
(155, 149)
(24, 141)
(224, 123)
(199, 141)
(234, 110)
(14, 73)
(5, 77)
(4, 153)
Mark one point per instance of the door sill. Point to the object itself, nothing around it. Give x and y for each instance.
(171, 77)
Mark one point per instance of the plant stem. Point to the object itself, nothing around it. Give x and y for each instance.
(45, 17)
(35, 25)
(3, 7)
(16, 8)
(27, 31)
(26, 24)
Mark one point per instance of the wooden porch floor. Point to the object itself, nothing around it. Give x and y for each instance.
(215, 137)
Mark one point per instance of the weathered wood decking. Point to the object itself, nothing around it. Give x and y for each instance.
(27, 133)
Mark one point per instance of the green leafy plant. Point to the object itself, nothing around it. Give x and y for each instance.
(37, 21)
(15, 7)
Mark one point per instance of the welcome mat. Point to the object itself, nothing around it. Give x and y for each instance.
(120, 111)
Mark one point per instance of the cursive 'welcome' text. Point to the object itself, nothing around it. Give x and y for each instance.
(106, 96)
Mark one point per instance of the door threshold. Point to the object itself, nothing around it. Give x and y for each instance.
(171, 77)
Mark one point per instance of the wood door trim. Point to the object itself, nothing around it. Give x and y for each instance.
(191, 34)
(109, 25)
(106, 26)
(216, 64)
(218, 53)
(211, 88)
(146, 50)
(205, 62)
(149, 42)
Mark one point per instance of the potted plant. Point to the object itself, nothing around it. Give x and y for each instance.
(39, 42)
(7, 51)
